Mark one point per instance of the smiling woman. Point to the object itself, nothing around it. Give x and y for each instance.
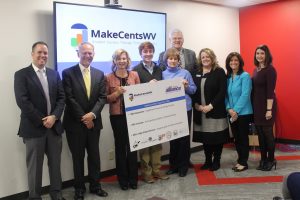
(239, 107)
(210, 124)
(264, 105)
(126, 161)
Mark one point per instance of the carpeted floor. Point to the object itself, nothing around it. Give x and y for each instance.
(224, 184)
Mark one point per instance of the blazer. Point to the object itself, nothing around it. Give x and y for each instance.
(77, 101)
(32, 101)
(238, 95)
(115, 102)
(145, 75)
(214, 93)
(189, 59)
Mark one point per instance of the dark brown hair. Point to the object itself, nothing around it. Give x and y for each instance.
(269, 58)
(241, 61)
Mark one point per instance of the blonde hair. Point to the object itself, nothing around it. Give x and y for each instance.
(211, 55)
(116, 56)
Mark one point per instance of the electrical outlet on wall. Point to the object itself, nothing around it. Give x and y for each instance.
(111, 154)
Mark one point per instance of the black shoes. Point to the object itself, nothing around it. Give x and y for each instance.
(133, 186)
(215, 166)
(172, 171)
(191, 165)
(124, 187)
(99, 192)
(261, 165)
(269, 165)
(278, 198)
(182, 172)
(79, 194)
(59, 198)
(206, 166)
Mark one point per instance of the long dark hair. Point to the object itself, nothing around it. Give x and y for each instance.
(241, 65)
(269, 58)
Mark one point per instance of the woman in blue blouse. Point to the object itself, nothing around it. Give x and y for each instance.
(238, 106)
(179, 148)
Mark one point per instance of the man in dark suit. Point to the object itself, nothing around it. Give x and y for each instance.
(188, 59)
(85, 97)
(40, 96)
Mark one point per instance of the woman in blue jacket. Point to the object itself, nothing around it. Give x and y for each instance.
(238, 106)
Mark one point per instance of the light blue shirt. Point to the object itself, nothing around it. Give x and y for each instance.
(175, 72)
(239, 94)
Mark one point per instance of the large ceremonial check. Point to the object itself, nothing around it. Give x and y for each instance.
(155, 112)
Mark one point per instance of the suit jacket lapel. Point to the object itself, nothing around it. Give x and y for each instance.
(51, 81)
(93, 80)
(186, 56)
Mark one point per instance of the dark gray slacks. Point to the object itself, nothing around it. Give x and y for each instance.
(51, 145)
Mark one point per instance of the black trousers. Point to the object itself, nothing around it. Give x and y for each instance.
(179, 156)
(126, 161)
(79, 141)
(212, 153)
(266, 142)
(240, 130)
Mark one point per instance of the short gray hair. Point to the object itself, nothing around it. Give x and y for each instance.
(175, 30)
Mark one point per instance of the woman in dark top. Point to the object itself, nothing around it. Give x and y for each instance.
(264, 105)
(210, 123)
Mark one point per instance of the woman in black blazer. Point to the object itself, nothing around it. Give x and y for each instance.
(210, 123)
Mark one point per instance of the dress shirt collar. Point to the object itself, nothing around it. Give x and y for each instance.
(82, 68)
(36, 69)
(149, 68)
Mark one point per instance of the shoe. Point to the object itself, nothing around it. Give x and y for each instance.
(148, 179)
(58, 198)
(172, 171)
(215, 166)
(182, 172)
(236, 166)
(269, 165)
(99, 192)
(261, 165)
(79, 194)
(206, 166)
(191, 165)
(160, 175)
(124, 187)
(241, 168)
(133, 186)
(278, 198)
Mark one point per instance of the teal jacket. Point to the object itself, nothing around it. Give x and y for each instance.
(238, 95)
